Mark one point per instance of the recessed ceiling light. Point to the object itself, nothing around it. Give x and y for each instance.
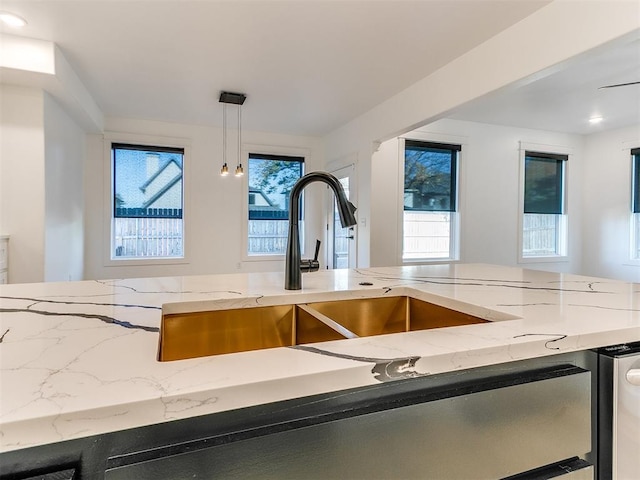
(595, 119)
(12, 20)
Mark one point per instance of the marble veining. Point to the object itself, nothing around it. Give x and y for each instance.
(384, 370)
(71, 302)
(102, 318)
(79, 358)
(548, 343)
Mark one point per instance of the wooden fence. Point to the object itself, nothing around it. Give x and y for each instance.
(539, 235)
(148, 237)
(269, 237)
(426, 235)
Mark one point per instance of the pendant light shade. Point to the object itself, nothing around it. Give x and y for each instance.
(237, 99)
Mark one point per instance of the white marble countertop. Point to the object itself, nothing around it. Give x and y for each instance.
(79, 358)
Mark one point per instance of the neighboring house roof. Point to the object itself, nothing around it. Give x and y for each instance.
(266, 211)
(162, 191)
(150, 180)
(264, 197)
(161, 188)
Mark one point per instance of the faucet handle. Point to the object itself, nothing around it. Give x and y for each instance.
(311, 265)
(315, 257)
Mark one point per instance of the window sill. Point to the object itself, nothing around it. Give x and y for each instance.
(142, 262)
(429, 261)
(263, 258)
(544, 259)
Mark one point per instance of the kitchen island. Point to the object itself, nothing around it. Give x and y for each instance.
(78, 359)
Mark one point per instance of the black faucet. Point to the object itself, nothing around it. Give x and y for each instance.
(293, 264)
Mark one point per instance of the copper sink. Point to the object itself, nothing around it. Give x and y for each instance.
(199, 334)
(382, 315)
(189, 335)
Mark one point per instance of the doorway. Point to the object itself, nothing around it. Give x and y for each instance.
(341, 251)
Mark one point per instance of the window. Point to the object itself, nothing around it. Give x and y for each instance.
(544, 219)
(271, 178)
(430, 201)
(147, 202)
(635, 203)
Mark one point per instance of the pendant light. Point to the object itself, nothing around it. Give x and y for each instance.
(234, 99)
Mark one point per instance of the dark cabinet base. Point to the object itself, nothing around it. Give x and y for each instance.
(489, 422)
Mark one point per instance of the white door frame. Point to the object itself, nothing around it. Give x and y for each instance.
(342, 172)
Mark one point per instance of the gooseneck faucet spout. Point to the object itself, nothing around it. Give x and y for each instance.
(292, 273)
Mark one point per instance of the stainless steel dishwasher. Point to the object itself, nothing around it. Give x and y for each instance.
(524, 420)
(528, 419)
(619, 412)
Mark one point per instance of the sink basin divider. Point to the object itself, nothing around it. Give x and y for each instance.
(345, 332)
(407, 314)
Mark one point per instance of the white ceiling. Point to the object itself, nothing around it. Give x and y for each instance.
(566, 98)
(307, 66)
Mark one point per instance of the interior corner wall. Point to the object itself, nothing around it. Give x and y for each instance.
(385, 170)
(488, 192)
(607, 204)
(22, 178)
(64, 143)
(213, 204)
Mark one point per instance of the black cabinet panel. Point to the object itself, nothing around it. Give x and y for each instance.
(486, 430)
(385, 427)
(68, 474)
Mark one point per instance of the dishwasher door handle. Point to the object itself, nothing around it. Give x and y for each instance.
(633, 376)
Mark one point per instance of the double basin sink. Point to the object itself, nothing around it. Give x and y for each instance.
(214, 332)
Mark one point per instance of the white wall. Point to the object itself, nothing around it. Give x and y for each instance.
(41, 201)
(64, 153)
(385, 244)
(22, 177)
(214, 215)
(607, 202)
(489, 192)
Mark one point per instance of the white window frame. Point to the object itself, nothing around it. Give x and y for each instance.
(107, 236)
(267, 150)
(634, 223)
(454, 222)
(562, 232)
(634, 218)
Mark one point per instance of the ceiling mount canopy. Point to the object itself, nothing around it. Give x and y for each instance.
(230, 97)
(234, 99)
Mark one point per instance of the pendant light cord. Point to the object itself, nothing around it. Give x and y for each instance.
(224, 134)
(239, 135)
